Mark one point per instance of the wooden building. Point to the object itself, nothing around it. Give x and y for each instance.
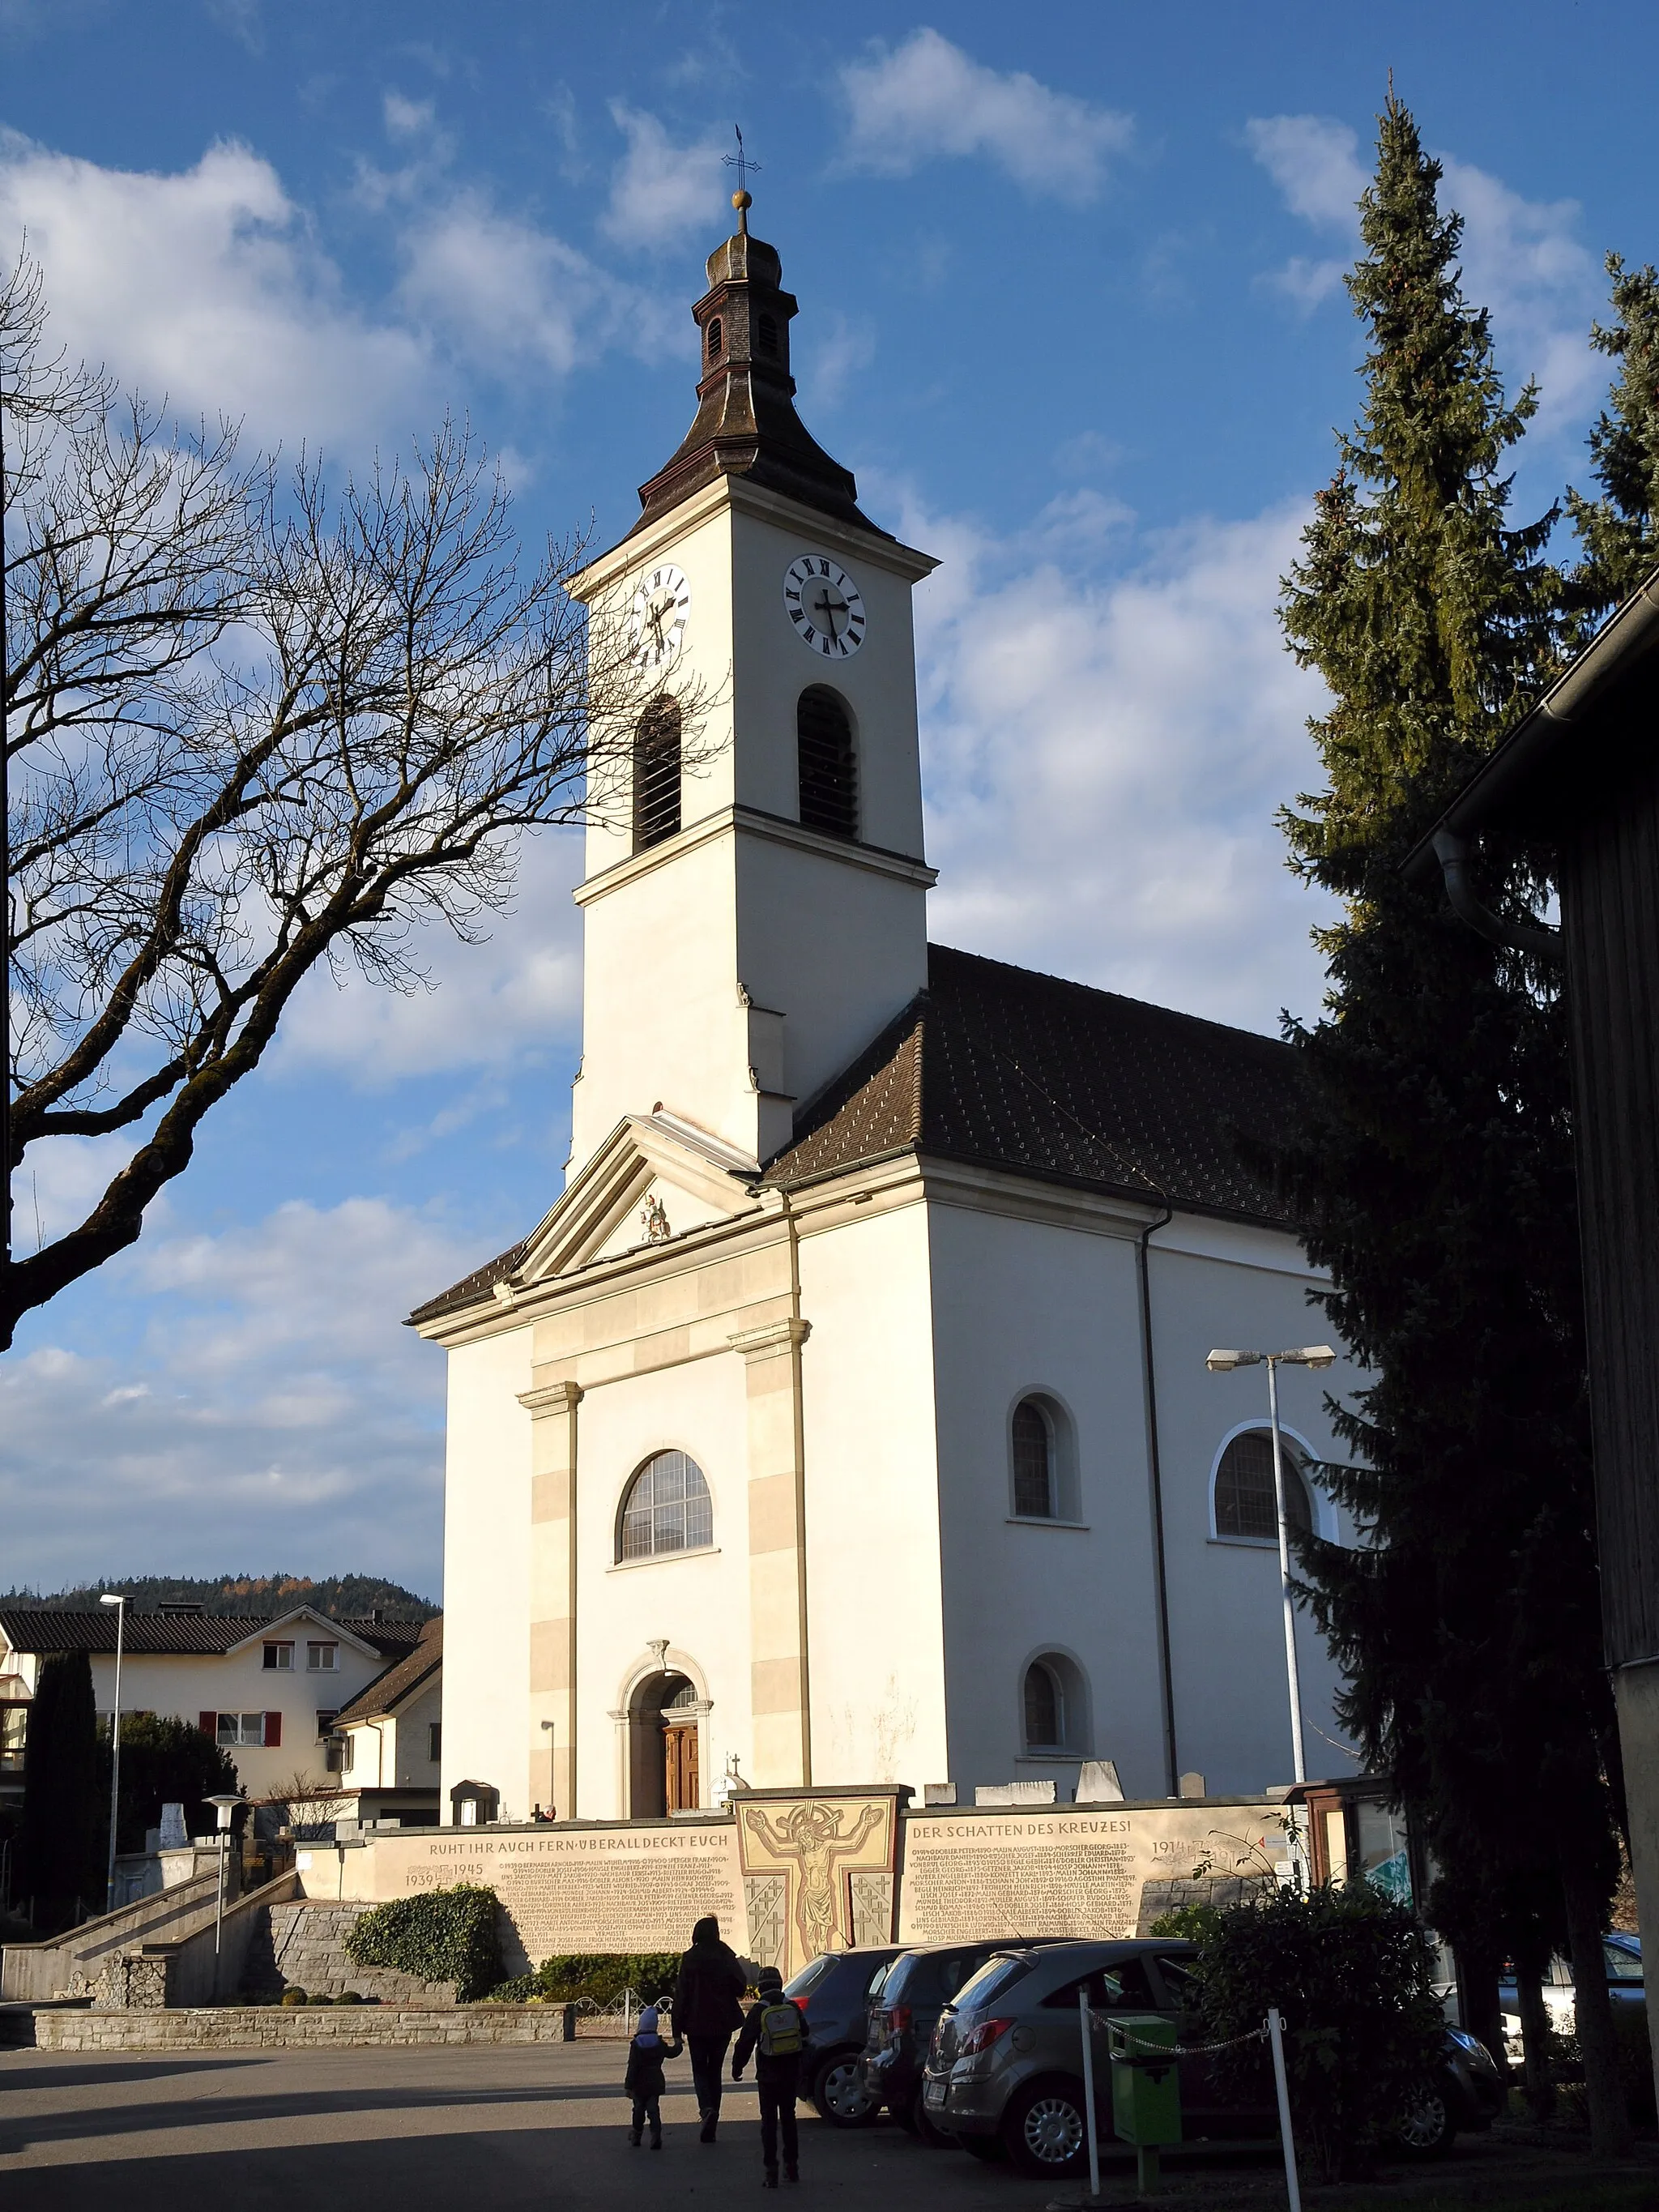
(1581, 773)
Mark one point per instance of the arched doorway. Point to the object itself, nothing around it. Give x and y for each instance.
(663, 1765)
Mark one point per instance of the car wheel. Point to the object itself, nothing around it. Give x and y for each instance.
(927, 2128)
(987, 2149)
(840, 2093)
(1426, 2128)
(1043, 2130)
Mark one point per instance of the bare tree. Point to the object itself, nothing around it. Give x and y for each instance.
(253, 726)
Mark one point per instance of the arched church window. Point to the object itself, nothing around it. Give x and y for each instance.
(665, 1508)
(829, 775)
(769, 334)
(1049, 1720)
(714, 338)
(657, 774)
(1034, 1462)
(1245, 1508)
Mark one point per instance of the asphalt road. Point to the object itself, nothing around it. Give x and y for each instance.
(497, 2127)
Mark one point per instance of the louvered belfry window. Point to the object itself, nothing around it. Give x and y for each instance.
(829, 774)
(657, 774)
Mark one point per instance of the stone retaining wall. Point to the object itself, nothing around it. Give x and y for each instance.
(264, 2027)
(303, 1947)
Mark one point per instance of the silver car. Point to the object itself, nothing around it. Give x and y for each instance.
(1005, 2071)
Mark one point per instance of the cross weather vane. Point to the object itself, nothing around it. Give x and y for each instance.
(741, 161)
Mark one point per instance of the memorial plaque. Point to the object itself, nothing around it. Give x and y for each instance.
(812, 1841)
(1065, 1873)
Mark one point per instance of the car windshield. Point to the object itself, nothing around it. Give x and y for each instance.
(996, 1975)
(808, 1977)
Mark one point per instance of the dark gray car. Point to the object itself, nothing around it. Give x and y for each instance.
(834, 1992)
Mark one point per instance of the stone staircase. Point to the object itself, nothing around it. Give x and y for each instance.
(303, 1947)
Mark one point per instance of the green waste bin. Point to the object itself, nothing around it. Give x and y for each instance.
(1145, 2078)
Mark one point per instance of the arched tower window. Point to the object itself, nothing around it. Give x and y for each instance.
(829, 773)
(665, 1508)
(1034, 1462)
(1244, 1505)
(714, 338)
(657, 774)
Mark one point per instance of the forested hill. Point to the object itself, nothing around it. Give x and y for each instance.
(341, 1597)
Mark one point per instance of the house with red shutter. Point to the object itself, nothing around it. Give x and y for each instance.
(267, 1691)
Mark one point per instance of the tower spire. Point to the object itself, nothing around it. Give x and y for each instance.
(746, 424)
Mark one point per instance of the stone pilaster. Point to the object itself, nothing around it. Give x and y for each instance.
(782, 1749)
(552, 1408)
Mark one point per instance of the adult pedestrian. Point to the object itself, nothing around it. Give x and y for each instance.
(708, 2012)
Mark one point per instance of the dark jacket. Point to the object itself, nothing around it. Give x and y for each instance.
(709, 1994)
(644, 2077)
(785, 2069)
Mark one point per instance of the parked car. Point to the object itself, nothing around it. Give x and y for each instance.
(835, 1993)
(903, 2012)
(1004, 2072)
(1625, 1985)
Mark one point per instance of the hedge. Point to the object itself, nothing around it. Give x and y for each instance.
(600, 1975)
(440, 1935)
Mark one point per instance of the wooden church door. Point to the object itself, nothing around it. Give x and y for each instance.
(681, 1790)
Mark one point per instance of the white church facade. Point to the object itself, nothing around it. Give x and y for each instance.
(847, 1417)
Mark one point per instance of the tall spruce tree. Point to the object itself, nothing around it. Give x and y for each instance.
(1436, 1166)
(1620, 530)
(62, 1840)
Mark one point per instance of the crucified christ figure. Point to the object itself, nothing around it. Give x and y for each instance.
(811, 1835)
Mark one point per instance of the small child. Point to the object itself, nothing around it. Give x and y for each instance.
(644, 2081)
(777, 2033)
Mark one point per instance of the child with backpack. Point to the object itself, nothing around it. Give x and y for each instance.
(777, 2033)
(644, 2082)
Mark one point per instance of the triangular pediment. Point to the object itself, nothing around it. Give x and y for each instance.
(652, 1179)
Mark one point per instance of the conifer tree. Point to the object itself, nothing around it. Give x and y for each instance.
(1620, 530)
(1435, 1169)
(61, 1845)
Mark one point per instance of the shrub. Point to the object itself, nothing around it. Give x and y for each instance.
(603, 1976)
(349, 1996)
(441, 1935)
(1350, 1972)
(1191, 1923)
(294, 1995)
(320, 1997)
(1635, 2061)
(519, 1989)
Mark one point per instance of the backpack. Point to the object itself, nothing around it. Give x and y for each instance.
(779, 2031)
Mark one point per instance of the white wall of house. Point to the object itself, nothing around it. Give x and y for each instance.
(392, 1751)
(487, 1571)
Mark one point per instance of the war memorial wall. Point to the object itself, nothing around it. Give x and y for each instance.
(790, 1874)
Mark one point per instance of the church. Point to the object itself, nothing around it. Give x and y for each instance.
(845, 1420)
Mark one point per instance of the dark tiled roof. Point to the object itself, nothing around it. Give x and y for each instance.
(1014, 1070)
(1010, 1069)
(386, 1691)
(172, 1636)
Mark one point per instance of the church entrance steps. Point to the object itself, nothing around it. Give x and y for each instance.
(302, 1945)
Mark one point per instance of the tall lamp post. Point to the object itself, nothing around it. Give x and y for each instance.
(224, 1806)
(1310, 1355)
(120, 1605)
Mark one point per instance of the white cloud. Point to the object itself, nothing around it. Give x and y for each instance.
(1103, 757)
(276, 1411)
(662, 194)
(408, 118)
(1315, 164)
(927, 99)
(207, 287)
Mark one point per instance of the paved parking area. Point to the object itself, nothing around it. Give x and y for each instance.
(496, 2127)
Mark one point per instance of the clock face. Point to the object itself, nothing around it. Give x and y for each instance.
(823, 606)
(657, 616)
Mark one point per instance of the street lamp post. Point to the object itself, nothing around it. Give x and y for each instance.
(224, 1806)
(552, 1772)
(120, 1605)
(1310, 1355)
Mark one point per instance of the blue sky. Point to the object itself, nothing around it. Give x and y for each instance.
(1070, 308)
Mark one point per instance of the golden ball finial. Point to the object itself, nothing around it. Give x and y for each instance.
(742, 201)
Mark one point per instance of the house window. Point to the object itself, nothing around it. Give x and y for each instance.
(827, 771)
(1054, 1704)
(657, 775)
(1245, 1510)
(665, 1508)
(279, 1658)
(325, 1720)
(434, 1741)
(14, 1734)
(714, 338)
(1034, 1462)
(322, 1658)
(264, 1730)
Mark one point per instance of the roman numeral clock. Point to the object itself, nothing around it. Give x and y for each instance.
(825, 606)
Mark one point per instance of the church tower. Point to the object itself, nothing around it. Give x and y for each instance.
(754, 904)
